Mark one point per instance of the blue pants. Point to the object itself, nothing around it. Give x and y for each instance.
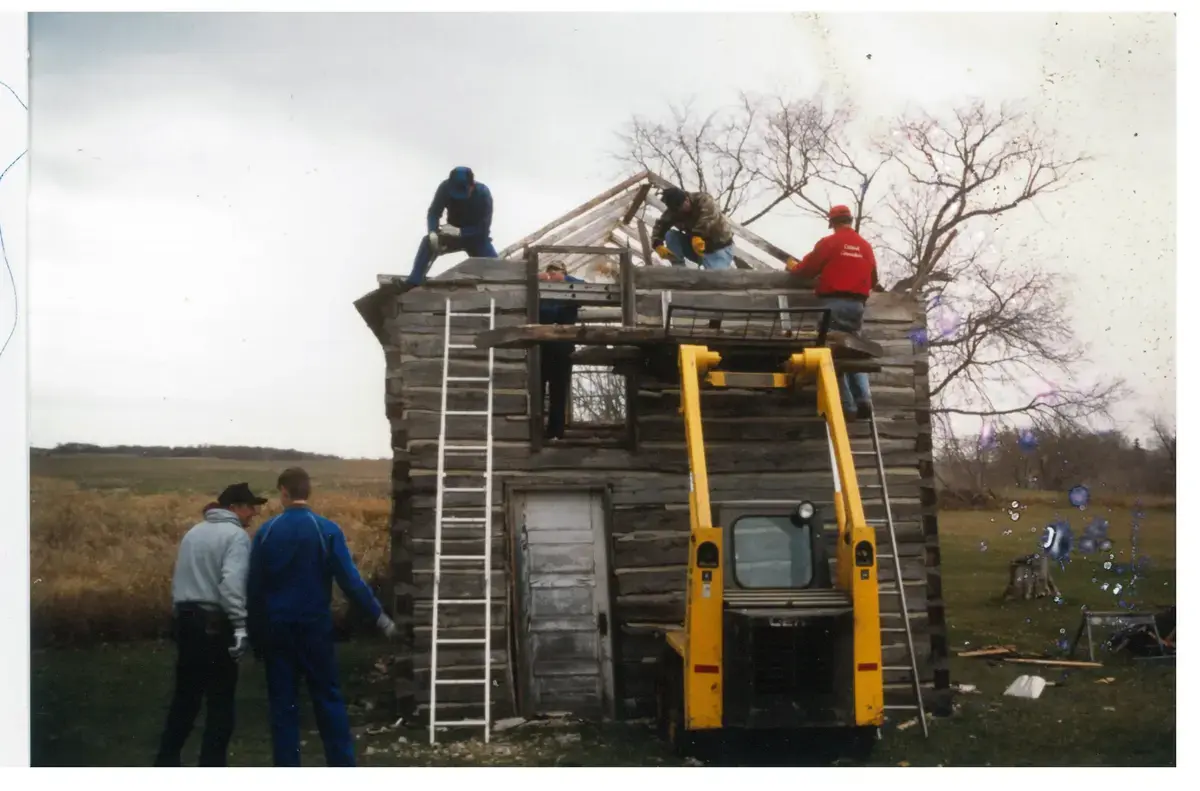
(293, 650)
(846, 315)
(475, 246)
(680, 246)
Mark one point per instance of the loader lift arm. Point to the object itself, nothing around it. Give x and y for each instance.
(700, 643)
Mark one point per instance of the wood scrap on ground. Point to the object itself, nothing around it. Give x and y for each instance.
(1050, 662)
(1009, 654)
(989, 650)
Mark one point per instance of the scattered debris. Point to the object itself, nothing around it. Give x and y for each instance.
(1110, 708)
(909, 723)
(1141, 640)
(1108, 680)
(1029, 687)
(903, 763)
(693, 762)
(507, 723)
(1051, 662)
(966, 689)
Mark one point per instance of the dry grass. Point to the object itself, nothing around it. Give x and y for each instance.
(101, 559)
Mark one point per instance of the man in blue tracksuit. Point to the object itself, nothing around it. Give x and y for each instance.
(293, 560)
(468, 207)
(556, 356)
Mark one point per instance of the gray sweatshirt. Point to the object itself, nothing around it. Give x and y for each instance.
(212, 566)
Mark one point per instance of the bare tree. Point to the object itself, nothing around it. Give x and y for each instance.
(1164, 435)
(751, 158)
(597, 396)
(980, 165)
(917, 192)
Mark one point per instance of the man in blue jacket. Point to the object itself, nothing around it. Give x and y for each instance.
(468, 207)
(556, 356)
(293, 560)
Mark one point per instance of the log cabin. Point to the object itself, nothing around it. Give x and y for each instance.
(594, 528)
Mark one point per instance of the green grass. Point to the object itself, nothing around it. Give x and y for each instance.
(104, 706)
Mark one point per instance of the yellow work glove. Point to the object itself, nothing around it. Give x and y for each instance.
(792, 264)
(663, 251)
(698, 245)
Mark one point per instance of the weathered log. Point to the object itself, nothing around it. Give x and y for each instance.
(409, 323)
(417, 372)
(882, 310)
(425, 403)
(431, 346)
(841, 344)
(426, 426)
(789, 455)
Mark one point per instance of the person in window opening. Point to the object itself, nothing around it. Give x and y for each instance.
(556, 356)
(843, 265)
(293, 561)
(693, 228)
(209, 603)
(467, 204)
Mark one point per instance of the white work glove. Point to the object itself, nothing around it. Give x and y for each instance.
(387, 626)
(241, 644)
(433, 242)
(449, 230)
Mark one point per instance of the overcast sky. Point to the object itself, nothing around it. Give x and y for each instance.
(210, 193)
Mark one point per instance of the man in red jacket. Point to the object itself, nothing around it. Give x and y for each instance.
(843, 264)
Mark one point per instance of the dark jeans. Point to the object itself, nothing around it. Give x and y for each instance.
(556, 378)
(296, 650)
(846, 315)
(476, 247)
(203, 669)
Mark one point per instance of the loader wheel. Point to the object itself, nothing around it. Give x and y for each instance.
(670, 705)
(861, 743)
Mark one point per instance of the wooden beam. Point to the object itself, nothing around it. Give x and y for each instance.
(533, 359)
(596, 225)
(638, 199)
(625, 242)
(575, 249)
(644, 238)
(578, 210)
(843, 344)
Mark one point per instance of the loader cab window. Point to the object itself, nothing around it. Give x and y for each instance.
(771, 552)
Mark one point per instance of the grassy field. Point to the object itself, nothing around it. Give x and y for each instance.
(103, 542)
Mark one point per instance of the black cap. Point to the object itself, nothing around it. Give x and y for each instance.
(673, 197)
(239, 494)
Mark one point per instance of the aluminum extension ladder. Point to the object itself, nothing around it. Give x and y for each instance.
(877, 454)
(463, 527)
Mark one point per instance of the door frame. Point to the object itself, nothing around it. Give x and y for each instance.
(519, 666)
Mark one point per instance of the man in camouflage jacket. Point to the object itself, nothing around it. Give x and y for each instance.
(693, 228)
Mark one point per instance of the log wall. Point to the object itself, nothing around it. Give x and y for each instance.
(761, 445)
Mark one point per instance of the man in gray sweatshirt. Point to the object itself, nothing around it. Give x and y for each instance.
(209, 594)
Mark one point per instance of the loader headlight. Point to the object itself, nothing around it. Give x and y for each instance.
(805, 511)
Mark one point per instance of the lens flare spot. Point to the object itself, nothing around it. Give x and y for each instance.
(1056, 540)
(1079, 496)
